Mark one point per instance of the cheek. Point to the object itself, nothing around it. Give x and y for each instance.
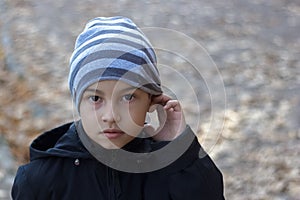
(138, 115)
(89, 118)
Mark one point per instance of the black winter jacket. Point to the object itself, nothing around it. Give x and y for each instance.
(61, 168)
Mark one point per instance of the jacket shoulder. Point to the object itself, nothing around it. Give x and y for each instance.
(193, 175)
(201, 180)
(21, 188)
(43, 178)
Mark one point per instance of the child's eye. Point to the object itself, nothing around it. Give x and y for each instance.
(128, 97)
(95, 99)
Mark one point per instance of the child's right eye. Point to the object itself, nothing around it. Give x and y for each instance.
(95, 99)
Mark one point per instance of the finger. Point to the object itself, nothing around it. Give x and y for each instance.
(161, 99)
(161, 114)
(173, 105)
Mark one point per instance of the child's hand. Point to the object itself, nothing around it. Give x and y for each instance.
(171, 119)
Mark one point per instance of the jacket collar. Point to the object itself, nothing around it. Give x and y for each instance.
(64, 141)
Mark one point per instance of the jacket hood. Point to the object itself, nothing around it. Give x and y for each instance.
(59, 142)
(64, 141)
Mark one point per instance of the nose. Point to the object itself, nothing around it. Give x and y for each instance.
(108, 114)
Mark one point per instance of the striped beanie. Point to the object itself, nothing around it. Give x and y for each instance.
(113, 48)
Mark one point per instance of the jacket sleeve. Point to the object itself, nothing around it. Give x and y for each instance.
(21, 188)
(196, 176)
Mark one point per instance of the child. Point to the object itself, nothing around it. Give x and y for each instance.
(108, 153)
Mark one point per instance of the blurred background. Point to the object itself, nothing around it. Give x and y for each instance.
(254, 44)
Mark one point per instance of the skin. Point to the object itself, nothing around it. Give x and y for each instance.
(113, 113)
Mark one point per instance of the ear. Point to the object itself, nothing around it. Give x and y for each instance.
(152, 108)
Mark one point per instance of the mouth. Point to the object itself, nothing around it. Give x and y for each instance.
(113, 133)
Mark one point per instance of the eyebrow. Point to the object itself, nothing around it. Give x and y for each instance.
(101, 92)
(94, 91)
(128, 89)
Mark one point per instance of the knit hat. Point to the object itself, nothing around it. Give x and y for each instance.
(113, 48)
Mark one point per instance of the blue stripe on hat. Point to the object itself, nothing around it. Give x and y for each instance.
(104, 54)
(116, 40)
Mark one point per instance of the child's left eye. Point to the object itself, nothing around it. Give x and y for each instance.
(128, 97)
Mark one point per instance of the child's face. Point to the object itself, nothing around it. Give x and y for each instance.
(113, 112)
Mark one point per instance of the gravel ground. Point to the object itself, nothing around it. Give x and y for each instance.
(248, 99)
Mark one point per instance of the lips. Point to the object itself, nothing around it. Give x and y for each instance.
(113, 133)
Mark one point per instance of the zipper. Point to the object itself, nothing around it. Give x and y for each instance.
(110, 184)
(113, 184)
